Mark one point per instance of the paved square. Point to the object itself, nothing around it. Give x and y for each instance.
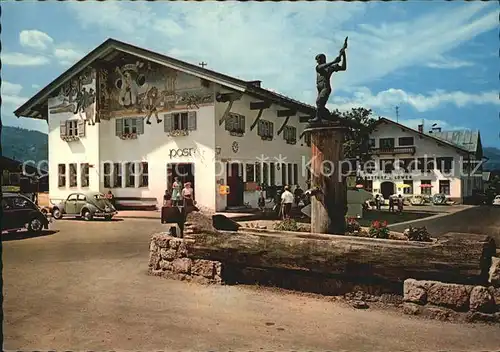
(85, 288)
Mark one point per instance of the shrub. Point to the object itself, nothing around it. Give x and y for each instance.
(418, 234)
(287, 225)
(352, 225)
(379, 229)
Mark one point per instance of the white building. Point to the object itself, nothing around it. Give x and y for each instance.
(412, 162)
(207, 127)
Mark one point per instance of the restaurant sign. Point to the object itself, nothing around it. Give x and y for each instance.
(389, 177)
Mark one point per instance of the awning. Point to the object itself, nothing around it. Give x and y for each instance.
(425, 185)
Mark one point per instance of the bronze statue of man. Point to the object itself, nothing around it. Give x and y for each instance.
(324, 71)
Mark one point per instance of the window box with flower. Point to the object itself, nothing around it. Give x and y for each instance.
(180, 124)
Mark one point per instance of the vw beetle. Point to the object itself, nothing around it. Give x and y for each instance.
(85, 205)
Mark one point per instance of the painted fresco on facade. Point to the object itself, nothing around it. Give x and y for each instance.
(78, 97)
(149, 89)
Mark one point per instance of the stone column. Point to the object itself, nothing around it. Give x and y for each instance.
(329, 204)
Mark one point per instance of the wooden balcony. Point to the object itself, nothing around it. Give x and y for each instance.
(393, 151)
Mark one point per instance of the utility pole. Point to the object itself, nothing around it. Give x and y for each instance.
(397, 114)
(202, 64)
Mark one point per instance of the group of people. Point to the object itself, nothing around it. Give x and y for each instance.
(393, 203)
(284, 201)
(179, 195)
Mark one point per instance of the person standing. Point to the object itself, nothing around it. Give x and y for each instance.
(167, 199)
(176, 192)
(400, 204)
(110, 196)
(298, 195)
(377, 201)
(287, 201)
(187, 195)
(391, 203)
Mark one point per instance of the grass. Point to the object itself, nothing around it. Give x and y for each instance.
(391, 218)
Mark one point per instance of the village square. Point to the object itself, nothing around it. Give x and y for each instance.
(184, 207)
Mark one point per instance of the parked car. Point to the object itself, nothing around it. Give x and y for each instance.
(496, 200)
(20, 212)
(86, 205)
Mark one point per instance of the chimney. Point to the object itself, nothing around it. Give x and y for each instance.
(255, 83)
(420, 128)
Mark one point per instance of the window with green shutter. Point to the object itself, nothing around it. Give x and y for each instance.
(119, 127)
(266, 130)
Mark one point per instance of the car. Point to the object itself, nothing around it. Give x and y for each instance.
(85, 205)
(496, 200)
(20, 212)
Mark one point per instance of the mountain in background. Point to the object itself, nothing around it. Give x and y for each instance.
(23, 145)
(493, 154)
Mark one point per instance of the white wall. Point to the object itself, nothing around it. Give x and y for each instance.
(154, 147)
(251, 146)
(84, 150)
(424, 147)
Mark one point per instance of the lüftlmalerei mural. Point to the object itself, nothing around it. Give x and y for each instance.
(141, 87)
(78, 97)
(130, 87)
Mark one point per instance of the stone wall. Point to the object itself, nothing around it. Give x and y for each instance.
(447, 301)
(169, 258)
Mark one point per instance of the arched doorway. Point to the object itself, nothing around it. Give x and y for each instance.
(387, 189)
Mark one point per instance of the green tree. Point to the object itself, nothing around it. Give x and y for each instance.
(360, 123)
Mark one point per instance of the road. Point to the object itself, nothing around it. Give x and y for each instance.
(85, 288)
(481, 219)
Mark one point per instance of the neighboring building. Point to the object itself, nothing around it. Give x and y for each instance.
(22, 177)
(411, 162)
(130, 120)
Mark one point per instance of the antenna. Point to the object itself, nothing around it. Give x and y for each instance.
(397, 114)
(202, 64)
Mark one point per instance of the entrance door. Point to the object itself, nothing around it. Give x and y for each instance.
(387, 189)
(235, 183)
(184, 171)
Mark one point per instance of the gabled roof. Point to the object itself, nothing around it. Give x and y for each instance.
(466, 139)
(425, 135)
(34, 106)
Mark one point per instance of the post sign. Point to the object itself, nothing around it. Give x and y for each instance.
(176, 153)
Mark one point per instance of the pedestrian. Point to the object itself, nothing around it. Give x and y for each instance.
(400, 204)
(287, 201)
(377, 201)
(111, 197)
(176, 192)
(298, 193)
(262, 201)
(188, 195)
(167, 199)
(391, 203)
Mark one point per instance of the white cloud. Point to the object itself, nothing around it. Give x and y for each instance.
(67, 56)
(10, 95)
(35, 86)
(277, 42)
(11, 88)
(20, 59)
(449, 63)
(35, 39)
(388, 99)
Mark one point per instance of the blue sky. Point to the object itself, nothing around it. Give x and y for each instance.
(437, 61)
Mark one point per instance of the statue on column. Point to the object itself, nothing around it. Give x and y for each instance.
(324, 71)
